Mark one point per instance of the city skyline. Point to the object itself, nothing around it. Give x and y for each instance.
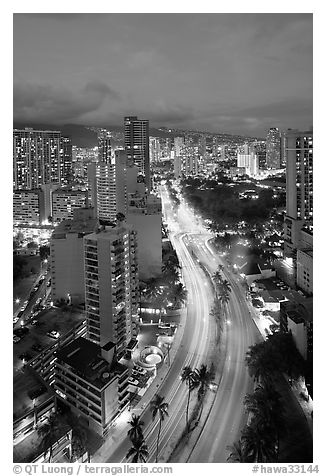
(233, 73)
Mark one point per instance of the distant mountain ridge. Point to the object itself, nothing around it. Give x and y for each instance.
(83, 136)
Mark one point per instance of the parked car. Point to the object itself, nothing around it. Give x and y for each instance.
(54, 334)
(16, 319)
(21, 331)
(16, 339)
(25, 356)
(139, 370)
(37, 347)
(133, 381)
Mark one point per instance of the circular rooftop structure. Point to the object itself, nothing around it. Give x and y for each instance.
(152, 356)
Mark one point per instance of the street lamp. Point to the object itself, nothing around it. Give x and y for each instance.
(17, 300)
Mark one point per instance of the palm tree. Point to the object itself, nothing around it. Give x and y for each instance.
(135, 433)
(238, 453)
(265, 405)
(217, 278)
(204, 377)
(191, 378)
(225, 286)
(216, 313)
(139, 451)
(158, 405)
(224, 298)
(153, 289)
(179, 295)
(259, 443)
(260, 365)
(49, 432)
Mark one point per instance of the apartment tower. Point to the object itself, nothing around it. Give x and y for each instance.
(111, 285)
(137, 145)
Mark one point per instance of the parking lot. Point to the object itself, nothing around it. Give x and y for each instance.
(35, 338)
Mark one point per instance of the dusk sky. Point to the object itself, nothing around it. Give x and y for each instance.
(235, 73)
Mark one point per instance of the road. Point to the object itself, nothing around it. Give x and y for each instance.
(227, 415)
(42, 292)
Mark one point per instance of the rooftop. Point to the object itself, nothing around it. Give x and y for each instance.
(86, 360)
(74, 226)
(299, 312)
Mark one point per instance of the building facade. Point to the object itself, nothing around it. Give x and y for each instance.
(91, 382)
(299, 189)
(111, 186)
(65, 201)
(111, 285)
(273, 149)
(40, 157)
(67, 256)
(137, 145)
(28, 207)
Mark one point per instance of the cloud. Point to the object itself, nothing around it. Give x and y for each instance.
(43, 102)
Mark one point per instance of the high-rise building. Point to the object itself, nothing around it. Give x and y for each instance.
(145, 215)
(137, 145)
(65, 201)
(249, 162)
(202, 145)
(154, 149)
(111, 286)
(298, 223)
(40, 157)
(66, 162)
(178, 146)
(273, 149)
(283, 149)
(111, 188)
(28, 207)
(299, 187)
(67, 256)
(177, 166)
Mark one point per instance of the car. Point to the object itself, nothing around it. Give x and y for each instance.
(139, 370)
(21, 331)
(25, 356)
(133, 381)
(34, 322)
(54, 334)
(16, 339)
(37, 347)
(16, 319)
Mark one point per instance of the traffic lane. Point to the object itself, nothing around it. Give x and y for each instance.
(235, 382)
(177, 397)
(226, 415)
(32, 301)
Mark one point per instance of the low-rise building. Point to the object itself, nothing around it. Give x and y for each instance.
(89, 379)
(296, 316)
(305, 270)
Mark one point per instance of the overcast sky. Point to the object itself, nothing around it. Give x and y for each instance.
(240, 73)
